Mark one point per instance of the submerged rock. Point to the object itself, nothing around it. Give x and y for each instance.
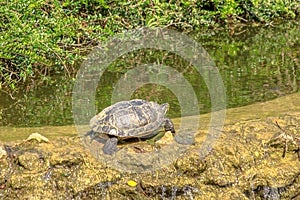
(241, 165)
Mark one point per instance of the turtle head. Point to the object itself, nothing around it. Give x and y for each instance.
(165, 107)
(169, 126)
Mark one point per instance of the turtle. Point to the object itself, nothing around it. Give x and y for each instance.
(135, 118)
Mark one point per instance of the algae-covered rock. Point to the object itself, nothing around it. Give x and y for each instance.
(240, 165)
(58, 169)
(232, 154)
(32, 161)
(190, 165)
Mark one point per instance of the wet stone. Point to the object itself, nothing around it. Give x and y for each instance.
(32, 161)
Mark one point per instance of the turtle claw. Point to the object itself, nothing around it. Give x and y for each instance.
(110, 146)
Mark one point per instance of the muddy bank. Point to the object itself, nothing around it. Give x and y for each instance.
(245, 163)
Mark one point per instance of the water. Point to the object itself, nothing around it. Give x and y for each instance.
(256, 64)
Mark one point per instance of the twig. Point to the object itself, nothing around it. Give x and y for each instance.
(65, 66)
(242, 19)
(286, 140)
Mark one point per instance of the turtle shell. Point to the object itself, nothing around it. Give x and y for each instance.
(127, 119)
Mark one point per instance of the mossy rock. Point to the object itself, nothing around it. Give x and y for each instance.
(241, 165)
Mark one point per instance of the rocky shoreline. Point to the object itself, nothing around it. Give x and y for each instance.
(243, 164)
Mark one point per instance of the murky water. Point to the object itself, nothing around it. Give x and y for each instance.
(286, 104)
(256, 64)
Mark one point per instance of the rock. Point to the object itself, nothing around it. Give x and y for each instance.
(166, 139)
(2, 152)
(38, 137)
(191, 165)
(240, 165)
(4, 166)
(32, 161)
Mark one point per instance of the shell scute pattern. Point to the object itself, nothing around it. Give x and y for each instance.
(126, 119)
(129, 118)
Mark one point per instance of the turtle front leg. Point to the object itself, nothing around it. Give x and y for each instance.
(99, 137)
(110, 146)
(168, 126)
(156, 137)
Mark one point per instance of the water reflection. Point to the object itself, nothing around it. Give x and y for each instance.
(256, 65)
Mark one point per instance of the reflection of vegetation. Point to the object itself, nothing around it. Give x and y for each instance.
(47, 105)
(255, 63)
